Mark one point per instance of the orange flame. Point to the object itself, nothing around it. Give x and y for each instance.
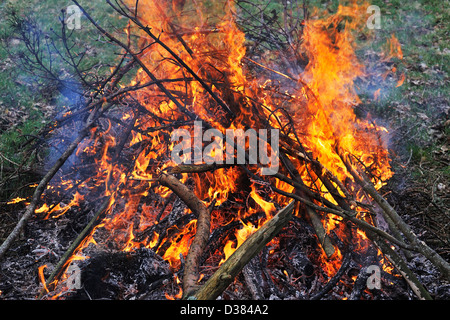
(42, 277)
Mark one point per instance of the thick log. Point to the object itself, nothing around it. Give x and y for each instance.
(225, 275)
(197, 168)
(191, 272)
(324, 239)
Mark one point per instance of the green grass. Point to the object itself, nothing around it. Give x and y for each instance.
(422, 28)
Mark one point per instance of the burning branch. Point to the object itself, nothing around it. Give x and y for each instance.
(198, 245)
(158, 41)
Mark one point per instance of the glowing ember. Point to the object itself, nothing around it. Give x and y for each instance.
(16, 200)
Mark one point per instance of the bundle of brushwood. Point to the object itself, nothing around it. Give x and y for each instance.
(212, 164)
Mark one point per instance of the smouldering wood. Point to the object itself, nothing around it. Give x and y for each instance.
(401, 266)
(324, 239)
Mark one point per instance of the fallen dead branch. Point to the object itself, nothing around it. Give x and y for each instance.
(402, 267)
(349, 215)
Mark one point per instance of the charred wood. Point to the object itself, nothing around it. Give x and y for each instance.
(253, 278)
(62, 264)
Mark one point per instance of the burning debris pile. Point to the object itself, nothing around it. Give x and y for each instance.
(213, 174)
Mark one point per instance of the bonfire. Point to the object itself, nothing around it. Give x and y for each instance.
(219, 173)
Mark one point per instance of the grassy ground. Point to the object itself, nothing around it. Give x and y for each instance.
(416, 113)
